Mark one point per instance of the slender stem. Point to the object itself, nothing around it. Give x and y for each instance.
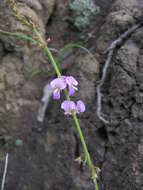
(48, 52)
(87, 155)
(5, 32)
(53, 62)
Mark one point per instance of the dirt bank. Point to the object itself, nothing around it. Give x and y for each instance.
(44, 160)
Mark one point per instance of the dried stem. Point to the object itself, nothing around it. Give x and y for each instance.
(5, 171)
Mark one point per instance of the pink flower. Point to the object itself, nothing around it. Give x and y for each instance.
(72, 83)
(68, 106)
(57, 85)
(80, 107)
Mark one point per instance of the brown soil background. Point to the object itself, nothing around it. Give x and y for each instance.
(45, 161)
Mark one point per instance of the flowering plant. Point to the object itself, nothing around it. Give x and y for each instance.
(66, 83)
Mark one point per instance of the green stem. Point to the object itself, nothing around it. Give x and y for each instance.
(48, 52)
(52, 61)
(87, 155)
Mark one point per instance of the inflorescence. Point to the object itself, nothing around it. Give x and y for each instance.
(66, 83)
(59, 84)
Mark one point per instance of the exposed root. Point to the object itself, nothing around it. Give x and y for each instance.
(110, 52)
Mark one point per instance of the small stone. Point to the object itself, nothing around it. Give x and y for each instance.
(2, 86)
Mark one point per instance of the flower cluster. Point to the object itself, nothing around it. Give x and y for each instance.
(60, 84)
(68, 106)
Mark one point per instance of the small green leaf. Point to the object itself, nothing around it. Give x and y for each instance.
(67, 47)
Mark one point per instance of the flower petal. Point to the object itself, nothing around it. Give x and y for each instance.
(71, 81)
(56, 94)
(80, 106)
(71, 91)
(58, 83)
(68, 106)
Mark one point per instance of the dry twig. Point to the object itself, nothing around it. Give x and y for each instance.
(5, 171)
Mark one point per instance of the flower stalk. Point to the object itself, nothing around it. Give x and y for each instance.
(40, 41)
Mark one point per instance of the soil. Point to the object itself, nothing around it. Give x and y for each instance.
(42, 155)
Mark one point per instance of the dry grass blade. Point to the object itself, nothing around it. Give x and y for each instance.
(5, 172)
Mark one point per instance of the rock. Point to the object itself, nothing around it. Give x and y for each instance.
(129, 6)
(49, 154)
(13, 71)
(87, 70)
(1, 50)
(121, 81)
(31, 14)
(14, 79)
(138, 37)
(121, 19)
(2, 80)
(127, 57)
(36, 5)
(38, 11)
(30, 90)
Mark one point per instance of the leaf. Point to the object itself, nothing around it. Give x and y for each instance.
(24, 37)
(38, 71)
(62, 52)
(18, 36)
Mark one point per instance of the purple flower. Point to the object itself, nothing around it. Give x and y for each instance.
(57, 85)
(68, 106)
(72, 83)
(80, 107)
